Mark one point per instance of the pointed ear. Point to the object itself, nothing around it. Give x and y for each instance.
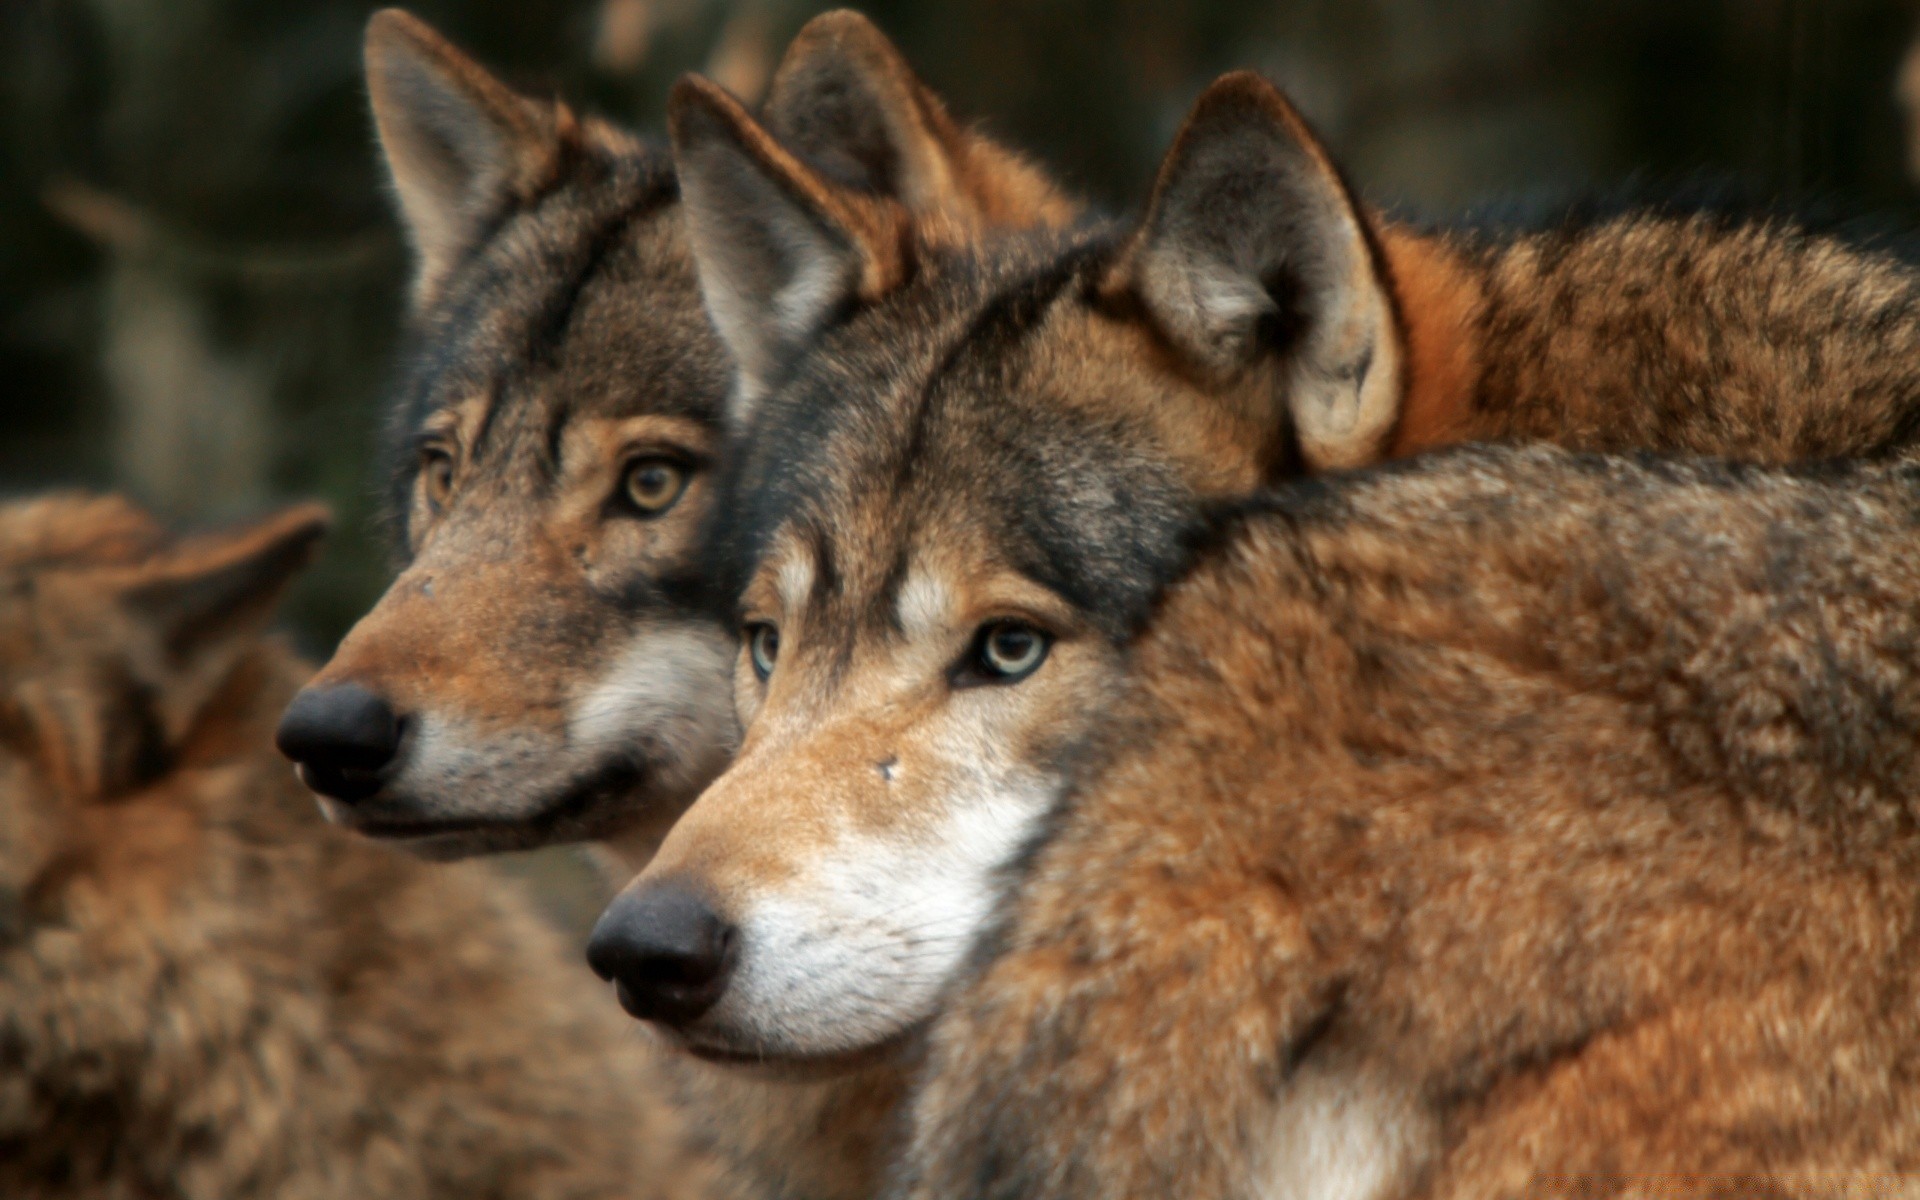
(205, 597)
(218, 585)
(845, 99)
(780, 250)
(1252, 247)
(452, 133)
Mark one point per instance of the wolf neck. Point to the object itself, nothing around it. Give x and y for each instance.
(1440, 300)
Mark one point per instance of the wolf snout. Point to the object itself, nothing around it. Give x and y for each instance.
(342, 737)
(666, 950)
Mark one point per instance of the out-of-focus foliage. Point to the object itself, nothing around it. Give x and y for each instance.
(200, 284)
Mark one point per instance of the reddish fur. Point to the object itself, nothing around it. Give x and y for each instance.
(204, 991)
(1439, 302)
(1573, 798)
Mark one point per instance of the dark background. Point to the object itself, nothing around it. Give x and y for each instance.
(200, 282)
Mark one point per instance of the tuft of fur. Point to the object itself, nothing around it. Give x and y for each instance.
(206, 992)
(1508, 823)
(1759, 336)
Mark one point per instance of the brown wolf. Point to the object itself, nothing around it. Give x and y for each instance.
(1511, 824)
(959, 498)
(544, 667)
(206, 992)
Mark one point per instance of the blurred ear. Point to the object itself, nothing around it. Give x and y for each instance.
(452, 133)
(1252, 248)
(780, 250)
(845, 99)
(207, 597)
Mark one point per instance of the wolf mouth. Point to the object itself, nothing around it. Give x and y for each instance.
(580, 808)
(799, 1067)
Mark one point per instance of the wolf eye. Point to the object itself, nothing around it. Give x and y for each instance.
(650, 486)
(436, 475)
(1007, 652)
(763, 647)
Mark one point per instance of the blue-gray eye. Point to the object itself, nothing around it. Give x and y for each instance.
(763, 647)
(1009, 651)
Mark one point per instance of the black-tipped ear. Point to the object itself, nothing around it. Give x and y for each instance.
(213, 587)
(779, 249)
(452, 133)
(845, 99)
(1252, 246)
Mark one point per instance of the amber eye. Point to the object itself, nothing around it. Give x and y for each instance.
(651, 486)
(1008, 651)
(436, 476)
(763, 647)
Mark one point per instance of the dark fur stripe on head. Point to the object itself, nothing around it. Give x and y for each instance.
(457, 345)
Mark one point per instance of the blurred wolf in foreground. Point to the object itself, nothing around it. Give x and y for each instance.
(206, 992)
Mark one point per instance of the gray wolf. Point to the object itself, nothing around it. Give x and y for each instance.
(545, 667)
(971, 467)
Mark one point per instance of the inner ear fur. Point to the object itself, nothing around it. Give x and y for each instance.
(780, 248)
(453, 135)
(845, 98)
(1253, 249)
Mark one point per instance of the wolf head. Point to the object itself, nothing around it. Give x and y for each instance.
(115, 641)
(545, 667)
(970, 469)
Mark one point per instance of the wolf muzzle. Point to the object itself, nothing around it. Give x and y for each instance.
(666, 951)
(342, 738)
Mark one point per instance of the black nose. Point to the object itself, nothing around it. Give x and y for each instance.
(666, 951)
(342, 737)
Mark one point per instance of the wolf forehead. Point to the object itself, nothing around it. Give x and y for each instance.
(919, 422)
(580, 298)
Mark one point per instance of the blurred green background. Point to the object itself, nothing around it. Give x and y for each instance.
(200, 282)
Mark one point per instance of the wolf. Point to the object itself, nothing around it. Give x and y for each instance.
(1505, 823)
(207, 992)
(967, 473)
(545, 666)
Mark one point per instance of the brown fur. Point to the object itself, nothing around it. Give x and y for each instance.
(559, 338)
(1760, 337)
(1561, 810)
(1055, 413)
(850, 103)
(559, 334)
(204, 991)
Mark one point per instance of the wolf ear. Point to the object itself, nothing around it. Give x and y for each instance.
(452, 133)
(1252, 246)
(206, 596)
(779, 249)
(845, 99)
